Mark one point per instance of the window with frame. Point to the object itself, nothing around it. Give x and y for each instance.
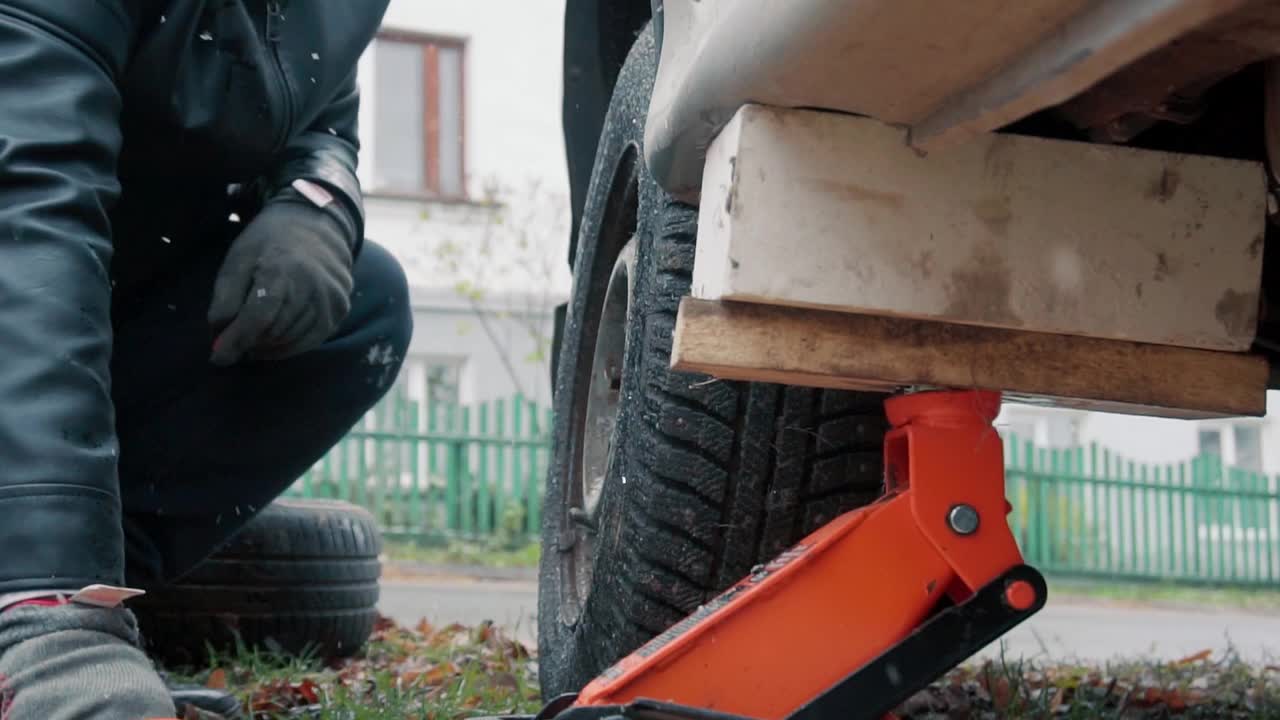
(419, 112)
(1248, 442)
(1210, 442)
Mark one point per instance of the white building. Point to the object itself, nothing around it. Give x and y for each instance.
(1247, 443)
(462, 162)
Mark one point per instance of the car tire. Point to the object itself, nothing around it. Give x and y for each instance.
(301, 578)
(666, 487)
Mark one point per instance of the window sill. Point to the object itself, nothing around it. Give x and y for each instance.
(428, 198)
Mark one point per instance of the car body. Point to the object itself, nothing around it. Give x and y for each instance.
(1164, 74)
(676, 483)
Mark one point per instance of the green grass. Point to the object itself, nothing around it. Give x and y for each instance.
(423, 672)
(1195, 687)
(455, 672)
(465, 554)
(1257, 599)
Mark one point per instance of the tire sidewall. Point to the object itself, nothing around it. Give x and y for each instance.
(302, 573)
(708, 477)
(569, 653)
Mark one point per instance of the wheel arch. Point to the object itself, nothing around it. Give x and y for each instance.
(598, 34)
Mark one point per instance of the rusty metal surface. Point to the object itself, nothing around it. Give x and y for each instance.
(1167, 84)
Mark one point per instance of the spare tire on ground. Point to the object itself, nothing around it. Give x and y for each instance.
(302, 577)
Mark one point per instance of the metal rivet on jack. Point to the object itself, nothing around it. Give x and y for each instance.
(963, 519)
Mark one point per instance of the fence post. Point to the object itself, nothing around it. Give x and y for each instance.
(462, 447)
(1144, 518)
(1013, 489)
(486, 516)
(501, 442)
(1111, 512)
(416, 523)
(1230, 521)
(534, 521)
(1253, 525)
(453, 468)
(1100, 531)
(1273, 526)
(1199, 559)
(1219, 521)
(1035, 510)
(517, 464)
(1270, 507)
(1079, 512)
(376, 483)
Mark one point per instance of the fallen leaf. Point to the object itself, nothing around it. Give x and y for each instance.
(433, 675)
(308, 690)
(504, 680)
(1198, 657)
(217, 680)
(998, 689)
(1148, 697)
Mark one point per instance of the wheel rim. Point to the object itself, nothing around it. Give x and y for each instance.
(591, 465)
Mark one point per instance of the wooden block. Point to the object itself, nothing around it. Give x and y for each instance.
(742, 341)
(815, 209)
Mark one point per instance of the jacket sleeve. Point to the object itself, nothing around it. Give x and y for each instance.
(326, 153)
(60, 523)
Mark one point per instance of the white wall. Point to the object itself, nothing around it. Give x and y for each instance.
(513, 83)
(1138, 438)
(513, 62)
(513, 136)
(448, 329)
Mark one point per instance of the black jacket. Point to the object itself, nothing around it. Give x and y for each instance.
(115, 116)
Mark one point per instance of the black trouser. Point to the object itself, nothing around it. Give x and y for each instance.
(202, 448)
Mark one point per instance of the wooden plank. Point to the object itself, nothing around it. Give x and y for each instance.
(741, 341)
(816, 209)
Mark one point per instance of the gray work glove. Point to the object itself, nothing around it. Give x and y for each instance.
(285, 285)
(76, 663)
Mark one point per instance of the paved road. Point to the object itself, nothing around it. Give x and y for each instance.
(511, 605)
(1064, 630)
(1067, 630)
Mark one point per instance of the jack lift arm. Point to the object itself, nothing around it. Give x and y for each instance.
(864, 612)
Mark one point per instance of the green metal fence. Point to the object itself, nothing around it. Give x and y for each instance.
(1090, 512)
(432, 471)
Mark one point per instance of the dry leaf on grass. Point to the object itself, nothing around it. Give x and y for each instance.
(1198, 657)
(217, 680)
